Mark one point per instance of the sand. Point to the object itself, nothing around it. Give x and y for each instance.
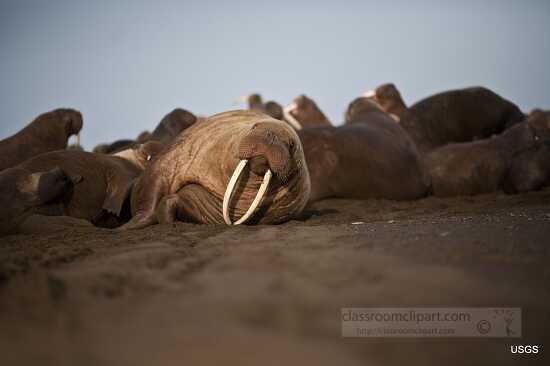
(187, 294)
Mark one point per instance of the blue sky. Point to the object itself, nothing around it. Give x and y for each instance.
(125, 64)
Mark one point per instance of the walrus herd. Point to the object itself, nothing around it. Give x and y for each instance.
(265, 164)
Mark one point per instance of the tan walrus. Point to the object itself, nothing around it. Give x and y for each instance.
(102, 195)
(48, 132)
(196, 177)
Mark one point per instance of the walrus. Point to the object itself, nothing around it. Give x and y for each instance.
(530, 169)
(101, 197)
(114, 147)
(255, 102)
(196, 178)
(23, 189)
(371, 158)
(171, 125)
(49, 131)
(303, 112)
(483, 166)
(453, 116)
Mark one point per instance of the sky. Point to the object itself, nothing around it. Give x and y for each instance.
(125, 64)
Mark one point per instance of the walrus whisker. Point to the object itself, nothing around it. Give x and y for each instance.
(290, 118)
(231, 187)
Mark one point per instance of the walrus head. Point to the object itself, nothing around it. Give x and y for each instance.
(72, 121)
(173, 124)
(57, 126)
(304, 111)
(359, 108)
(539, 122)
(269, 146)
(43, 187)
(388, 97)
(274, 110)
(144, 137)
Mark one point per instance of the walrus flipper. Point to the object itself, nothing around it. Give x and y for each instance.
(118, 191)
(139, 222)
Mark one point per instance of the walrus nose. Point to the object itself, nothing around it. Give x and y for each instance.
(266, 156)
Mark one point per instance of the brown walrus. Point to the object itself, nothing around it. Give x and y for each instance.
(371, 158)
(23, 189)
(484, 166)
(194, 178)
(172, 125)
(48, 132)
(255, 102)
(168, 128)
(461, 115)
(530, 169)
(107, 180)
(303, 112)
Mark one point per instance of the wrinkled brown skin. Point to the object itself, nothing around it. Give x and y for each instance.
(461, 115)
(102, 195)
(48, 132)
(23, 189)
(308, 113)
(530, 169)
(373, 157)
(188, 181)
(484, 166)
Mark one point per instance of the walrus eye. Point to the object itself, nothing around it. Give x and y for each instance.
(291, 147)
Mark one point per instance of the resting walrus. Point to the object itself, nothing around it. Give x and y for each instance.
(106, 183)
(48, 132)
(461, 115)
(530, 169)
(194, 178)
(303, 112)
(168, 128)
(371, 158)
(255, 102)
(484, 166)
(23, 189)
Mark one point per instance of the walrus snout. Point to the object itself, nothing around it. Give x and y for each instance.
(265, 150)
(73, 121)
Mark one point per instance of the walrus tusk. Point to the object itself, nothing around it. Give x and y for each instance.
(370, 94)
(231, 187)
(290, 118)
(78, 139)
